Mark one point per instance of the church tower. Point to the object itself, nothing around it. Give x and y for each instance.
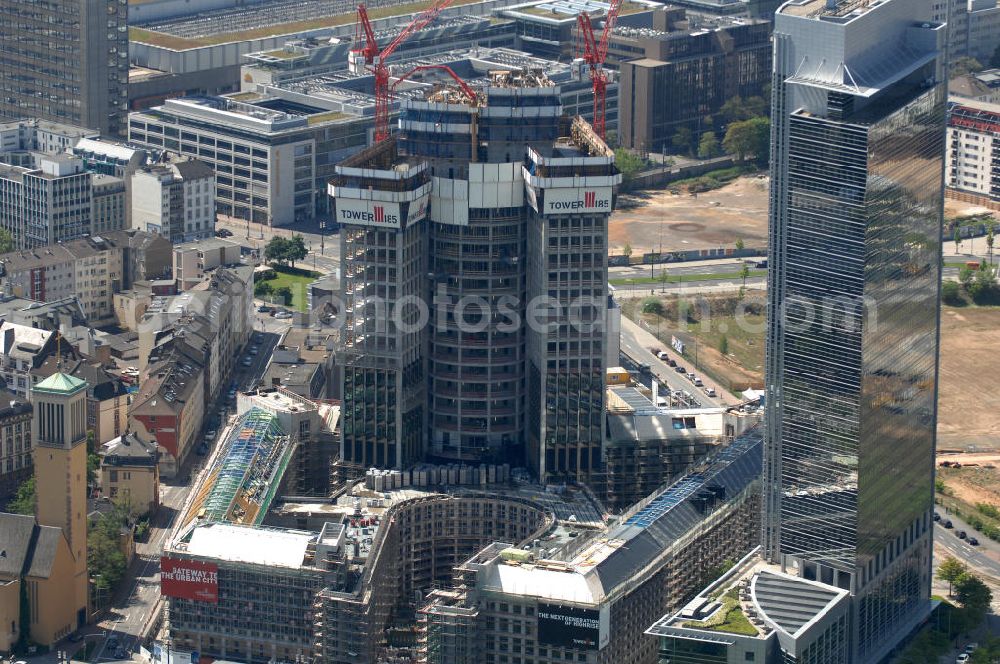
(60, 438)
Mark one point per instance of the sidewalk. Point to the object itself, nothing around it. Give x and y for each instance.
(615, 269)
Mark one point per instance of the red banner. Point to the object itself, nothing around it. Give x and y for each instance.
(189, 579)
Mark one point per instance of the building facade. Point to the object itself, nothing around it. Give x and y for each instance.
(15, 441)
(681, 69)
(84, 47)
(972, 161)
(92, 269)
(130, 472)
(176, 200)
(59, 433)
(852, 340)
(47, 202)
(476, 383)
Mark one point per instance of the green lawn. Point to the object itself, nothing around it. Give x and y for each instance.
(676, 279)
(298, 280)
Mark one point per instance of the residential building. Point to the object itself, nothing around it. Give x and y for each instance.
(851, 363)
(53, 315)
(972, 161)
(22, 348)
(303, 363)
(464, 208)
(978, 86)
(91, 269)
(81, 78)
(59, 434)
(107, 205)
(130, 472)
(175, 200)
(15, 442)
(109, 158)
(682, 68)
(169, 408)
(192, 260)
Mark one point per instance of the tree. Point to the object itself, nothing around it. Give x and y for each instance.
(629, 164)
(683, 140)
(263, 289)
(104, 558)
(724, 345)
(739, 244)
(6, 241)
(734, 110)
(950, 293)
(25, 499)
(708, 146)
(995, 58)
(962, 66)
(664, 278)
(627, 251)
(757, 106)
(744, 273)
(957, 237)
(652, 305)
(989, 239)
(276, 251)
(749, 137)
(283, 293)
(950, 569)
(965, 276)
(983, 284)
(295, 249)
(973, 595)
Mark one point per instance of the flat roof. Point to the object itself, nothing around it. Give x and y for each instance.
(246, 544)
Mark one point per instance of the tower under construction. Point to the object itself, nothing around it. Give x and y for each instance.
(474, 273)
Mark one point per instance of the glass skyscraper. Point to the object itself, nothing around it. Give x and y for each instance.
(856, 205)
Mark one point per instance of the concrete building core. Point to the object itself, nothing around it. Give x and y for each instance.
(488, 213)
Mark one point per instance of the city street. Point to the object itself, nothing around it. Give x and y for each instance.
(636, 342)
(323, 246)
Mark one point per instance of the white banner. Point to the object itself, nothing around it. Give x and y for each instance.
(357, 212)
(580, 199)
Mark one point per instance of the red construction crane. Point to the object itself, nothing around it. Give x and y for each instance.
(374, 58)
(594, 54)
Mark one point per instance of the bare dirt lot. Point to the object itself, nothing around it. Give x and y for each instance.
(969, 401)
(711, 220)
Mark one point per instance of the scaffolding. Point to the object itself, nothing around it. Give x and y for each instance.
(247, 471)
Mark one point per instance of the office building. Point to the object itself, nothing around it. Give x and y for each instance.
(66, 61)
(175, 200)
(193, 260)
(683, 67)
(47, 202)
(454, 200)
(859, 114)
(15, 442)
(566, 599)
(972, 161)
(973, 27)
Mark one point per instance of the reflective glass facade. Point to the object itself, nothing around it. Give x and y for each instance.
(852, 346)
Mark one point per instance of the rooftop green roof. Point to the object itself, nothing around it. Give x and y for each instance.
(60, 383)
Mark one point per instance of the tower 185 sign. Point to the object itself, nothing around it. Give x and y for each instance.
(577, 199)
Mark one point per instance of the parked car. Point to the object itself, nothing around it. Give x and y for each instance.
(247, 361)
(254, 350)
(973, 541)
(710, 391)
(672, 363)
(679, 369)
(937, 517)
(223, 232)
(697, 382)
(210, 434)
(963, 658)
(691, 376)
(258, 337)
(263, 309)
(947, 523)
(961, 534)
(656, 351)
(971, 648)
(283, 314)
(663, 355)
